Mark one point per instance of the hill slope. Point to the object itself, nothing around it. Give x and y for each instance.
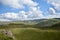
(47, 23)
(33, 34)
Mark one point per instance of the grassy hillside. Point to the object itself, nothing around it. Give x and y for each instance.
(33, 34)
(4, 37)
(47, 23)
(32, 31)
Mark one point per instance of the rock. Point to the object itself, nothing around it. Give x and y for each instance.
(8, 33)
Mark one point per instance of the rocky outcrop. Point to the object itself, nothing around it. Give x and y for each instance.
(8, 33)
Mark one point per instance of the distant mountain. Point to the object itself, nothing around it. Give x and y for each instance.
(30, 21)
(47, 23)
(4, 22)
(39, 22)
(36, 20)
(57, 18)
(22, 21)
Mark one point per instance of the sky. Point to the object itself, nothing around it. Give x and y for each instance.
(29, 9)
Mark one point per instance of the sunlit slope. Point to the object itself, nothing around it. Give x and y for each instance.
(35, 34)
(32, 34)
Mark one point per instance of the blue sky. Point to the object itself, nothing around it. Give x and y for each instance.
(29, 9)
(44, 6)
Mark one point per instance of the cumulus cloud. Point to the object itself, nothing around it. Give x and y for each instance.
(33, 13)
(52, 11)
(22, 15)
(36, 12)
(5, 20)
(12, 3)
(55, 3)
(12, 16)
(28, 2)
(18, 3)
(53, 16)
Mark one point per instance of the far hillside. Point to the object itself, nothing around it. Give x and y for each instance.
(48, 23)
(44, 23)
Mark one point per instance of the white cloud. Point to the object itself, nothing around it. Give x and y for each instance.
(53, 16)
(52, 11)
(33, 13)
(5, 20)
(9, 15)
(12, 3)
(36, 12)
(13, 16)
(28, 2)
(55, 3)
(22, 15)
(18, 3)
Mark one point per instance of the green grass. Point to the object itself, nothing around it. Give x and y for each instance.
(5, 37)
(35, 34)
(32, 34)
(28, 31)
(47, 23)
